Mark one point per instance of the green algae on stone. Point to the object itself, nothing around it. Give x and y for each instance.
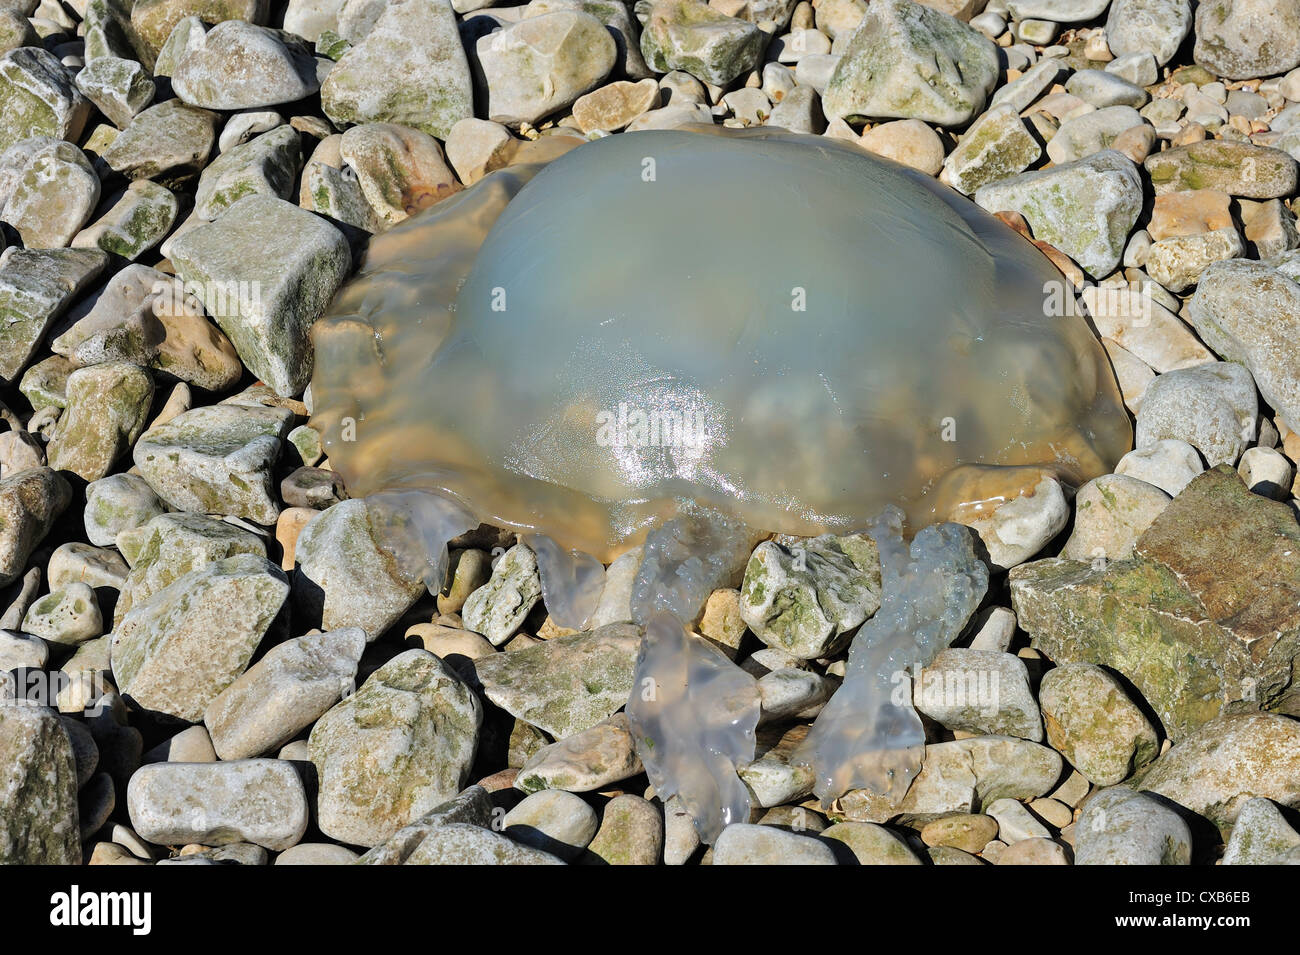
(38, 788)
(1239, 169)
(119, 87)
(36, 285)
(45, 384)
(1203, 619)
(472, 806)
(346, 577)
(997, 146)
(175, 652)
(409, 69)
(108, 407)
(1226, 762)
(169, 546)
(1094, 725)
(169, 143)
(153, 20)
(566, 684)
(37, 98)
(693, 37)
(401, 745)
(808, 600)
(138, 221)
(216, 459)
(908, 61)
(266, 165)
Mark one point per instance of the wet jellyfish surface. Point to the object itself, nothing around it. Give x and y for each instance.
(694, 341)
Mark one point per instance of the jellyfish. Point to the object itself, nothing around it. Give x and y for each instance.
(690, 340)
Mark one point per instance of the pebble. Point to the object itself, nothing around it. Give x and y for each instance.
(553, 821)
(462, 844)
(261, 801)
(316, 853)
(695, 38)
(1169, 464)
(747, 844)
(266, 165)
(498, 608)
(591, 759)
(1119, 826)
(631, 833)
(970, 832)
(1212, 407)
(909, 141)
(871, 844)
(1036, 851)
(68, 616)
(286, 691)
(1111, 513)
(980, 692)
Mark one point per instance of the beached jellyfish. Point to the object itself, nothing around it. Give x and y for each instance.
(693, 341)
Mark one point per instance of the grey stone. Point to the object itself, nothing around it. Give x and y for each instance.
(237, 65)
(38, 788)
(1211, 407)
(265, 166)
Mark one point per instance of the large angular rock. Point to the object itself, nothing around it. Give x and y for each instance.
(266, 270)
(176, 652)
(409, 69)
(1249, 312)
(1228, 761)
(1243, 39)
(400, 746)
(216, 460)
(38, 98)
(36, 286)
(542, 64)
(38, 788)
(566, 684)
(30, 502)
(1204, 618)
(907, 61)
(346, 576)
(237, 65)
(693, 37)
(1084, 208)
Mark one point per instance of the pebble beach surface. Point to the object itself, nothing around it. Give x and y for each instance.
(208, 657)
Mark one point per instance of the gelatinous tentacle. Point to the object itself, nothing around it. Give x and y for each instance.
(685, 560)
(869, 734)
(572, 581)
(693, 711)
(693, 714)
(416, 526)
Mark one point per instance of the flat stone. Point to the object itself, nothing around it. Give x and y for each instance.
(588, 760)
(462, 844)
(260, 801)
(1239, 169)
(498, 608)
(169, 142)
(745, 844)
